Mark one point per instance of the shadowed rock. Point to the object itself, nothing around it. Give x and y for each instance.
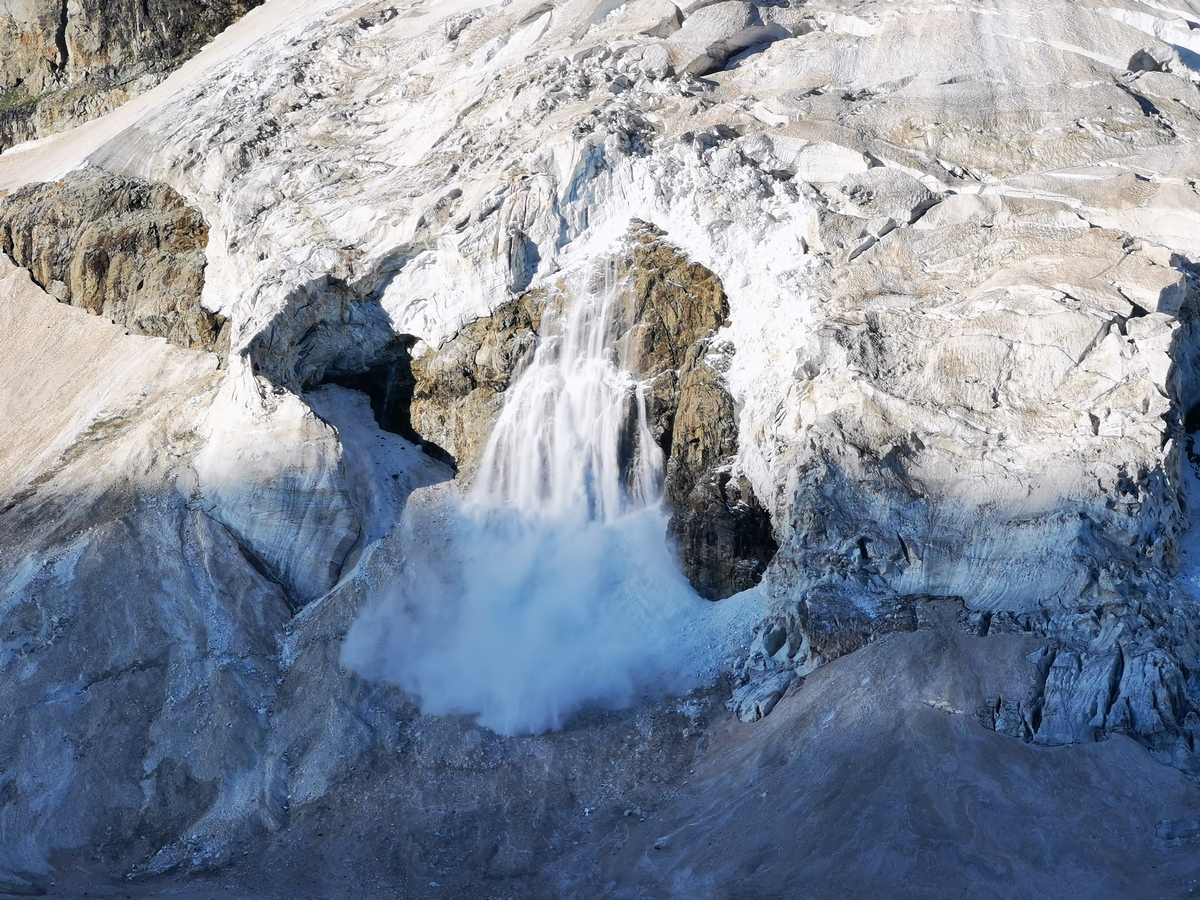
(721, 534)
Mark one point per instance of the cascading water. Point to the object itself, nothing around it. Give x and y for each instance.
(572, 444)
(550, 586)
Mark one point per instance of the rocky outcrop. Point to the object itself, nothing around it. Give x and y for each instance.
(673, 308)
(25, 117)
(668, 312)
(459, 388)
(117, 247)
(65, 63)
(668, 304)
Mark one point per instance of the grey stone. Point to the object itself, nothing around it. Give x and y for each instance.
(756, 698)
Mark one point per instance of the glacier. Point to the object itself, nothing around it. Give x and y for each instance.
(957, 247)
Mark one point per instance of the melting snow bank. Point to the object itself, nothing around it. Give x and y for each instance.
(523, 623)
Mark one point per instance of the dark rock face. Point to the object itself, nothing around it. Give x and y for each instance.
(117, 247)
(65, 63)
(721, 534)
(668, 311)
(389, 384)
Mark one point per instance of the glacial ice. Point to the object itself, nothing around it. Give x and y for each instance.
(982, 401)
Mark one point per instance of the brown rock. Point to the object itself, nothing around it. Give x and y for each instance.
(705, 434)
(64, 63)
(118, 247)
(720, 533)
(459, 388)
(668, 311)
(668, 304)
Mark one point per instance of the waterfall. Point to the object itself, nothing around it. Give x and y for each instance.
(550, 587)
(572, 443)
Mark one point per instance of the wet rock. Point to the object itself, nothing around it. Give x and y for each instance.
(722, 536)
(668, 313)
(458, 389)
(117, 247)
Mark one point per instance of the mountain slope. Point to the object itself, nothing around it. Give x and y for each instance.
(956, 245)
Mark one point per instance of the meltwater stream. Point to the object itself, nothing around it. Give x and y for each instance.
(550, 587)
(572, 444)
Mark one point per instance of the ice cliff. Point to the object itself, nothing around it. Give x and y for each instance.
(910, 292)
